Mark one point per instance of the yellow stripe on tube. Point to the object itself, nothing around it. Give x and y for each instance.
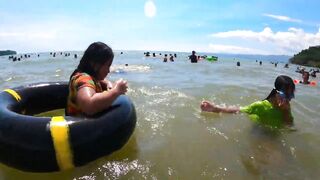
(14, 94)
(60, 136)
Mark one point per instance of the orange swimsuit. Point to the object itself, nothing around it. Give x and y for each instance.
(78, 81)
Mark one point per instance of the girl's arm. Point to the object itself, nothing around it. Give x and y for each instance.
(211, 107)
(285, 108)
(91, 102)
(288, 119)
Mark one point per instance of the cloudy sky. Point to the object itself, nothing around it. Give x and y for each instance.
(281, 27)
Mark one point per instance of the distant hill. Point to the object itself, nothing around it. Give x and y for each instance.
(7, 52)
(308, 57)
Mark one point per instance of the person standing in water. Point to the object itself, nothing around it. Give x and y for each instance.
(193, 57)
(165, 59)
(305, 77)
(171, 58)
(89, 92)
(274, 111)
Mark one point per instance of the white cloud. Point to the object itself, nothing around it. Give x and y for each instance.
(150, 9)
(283, 18)
(245, 34)
(285, 42)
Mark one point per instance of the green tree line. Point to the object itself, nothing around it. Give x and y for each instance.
(7, 52)
(307, 57)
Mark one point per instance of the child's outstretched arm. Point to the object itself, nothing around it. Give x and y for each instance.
(211, 107)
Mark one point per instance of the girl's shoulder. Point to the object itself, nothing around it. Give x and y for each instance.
(82, 79)
(81, 76)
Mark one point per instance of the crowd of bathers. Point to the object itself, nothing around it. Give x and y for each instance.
(165, 56)
(21, 57)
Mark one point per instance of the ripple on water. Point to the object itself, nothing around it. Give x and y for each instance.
(123, 168)
(130, 68)
(158, 104)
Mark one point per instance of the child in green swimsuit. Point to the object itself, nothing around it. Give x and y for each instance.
(273, 111)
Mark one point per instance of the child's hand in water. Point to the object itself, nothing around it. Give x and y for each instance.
(208, 107)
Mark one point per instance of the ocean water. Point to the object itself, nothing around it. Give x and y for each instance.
(172, 138)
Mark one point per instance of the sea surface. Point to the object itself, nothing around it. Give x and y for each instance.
(173, 139)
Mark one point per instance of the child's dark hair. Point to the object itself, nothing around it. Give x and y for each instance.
(97, 53)
(282, 83)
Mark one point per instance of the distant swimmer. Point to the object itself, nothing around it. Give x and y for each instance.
(171, 58)
(238, 63)
(314, 73)
(193, 57)
(165, 59)
(260, 63)
(305, 79)
(300, 69)
(147, 54)
(274, 111)
(286, 65)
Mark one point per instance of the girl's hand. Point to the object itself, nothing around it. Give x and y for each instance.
(208, 107)
(121, 86)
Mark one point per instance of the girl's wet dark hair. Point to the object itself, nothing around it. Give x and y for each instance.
(98, 53)
(282, 83)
